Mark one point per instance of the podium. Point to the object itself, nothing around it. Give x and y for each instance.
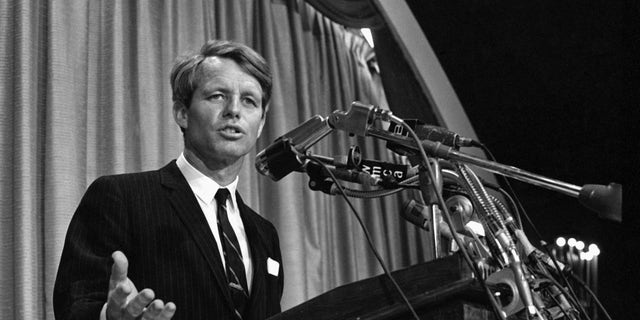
(438, 289)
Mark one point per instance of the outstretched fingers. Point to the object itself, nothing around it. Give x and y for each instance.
(168, 311)
(136, 306)
(159, 311)
(118, 298)
(124, 300)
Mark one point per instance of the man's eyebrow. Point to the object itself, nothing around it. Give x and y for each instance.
(215, 85)
(253, 91)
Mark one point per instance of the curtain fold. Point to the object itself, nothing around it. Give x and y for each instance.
(23, 99)
(350, 13)
(85, 92)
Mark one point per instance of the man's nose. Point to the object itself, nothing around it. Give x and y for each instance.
(232, 107)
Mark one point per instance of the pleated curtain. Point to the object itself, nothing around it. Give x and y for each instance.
(84, 92)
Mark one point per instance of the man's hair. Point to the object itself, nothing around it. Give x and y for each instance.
(184, 74)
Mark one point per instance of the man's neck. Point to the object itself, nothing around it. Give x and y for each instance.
(221, 172)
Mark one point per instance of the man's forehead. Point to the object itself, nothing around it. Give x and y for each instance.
(211, 63)
(221, 68)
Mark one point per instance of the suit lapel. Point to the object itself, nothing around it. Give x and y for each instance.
(188, 210)
(258, 254)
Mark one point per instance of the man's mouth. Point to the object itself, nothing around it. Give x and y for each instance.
(230, 130)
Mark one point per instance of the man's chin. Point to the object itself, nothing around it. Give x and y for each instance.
(230, 153)
(223, 155)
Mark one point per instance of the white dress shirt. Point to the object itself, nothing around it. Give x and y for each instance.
(205, 190)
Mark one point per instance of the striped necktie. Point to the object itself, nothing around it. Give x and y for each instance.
(236, 275)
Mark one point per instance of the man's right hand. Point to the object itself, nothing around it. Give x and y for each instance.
(124, 300)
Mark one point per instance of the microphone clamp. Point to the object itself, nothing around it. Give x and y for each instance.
(359, 118)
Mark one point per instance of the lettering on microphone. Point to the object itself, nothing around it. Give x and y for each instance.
(380, 172)
(398, 130)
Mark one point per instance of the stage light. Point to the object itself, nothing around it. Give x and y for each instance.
(588, 256)
(579, 245)
(560, 241)
(571, 242)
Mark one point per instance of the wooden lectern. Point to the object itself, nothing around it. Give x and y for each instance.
(438, 289)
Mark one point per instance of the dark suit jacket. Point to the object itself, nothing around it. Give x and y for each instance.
(155, 219)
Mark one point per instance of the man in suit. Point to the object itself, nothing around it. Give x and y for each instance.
(181, 232)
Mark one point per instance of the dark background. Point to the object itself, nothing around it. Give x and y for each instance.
(550, 87)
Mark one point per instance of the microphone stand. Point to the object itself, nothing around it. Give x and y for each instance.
(605, 200)
(430, 199)
(506, 248)
(289, 152)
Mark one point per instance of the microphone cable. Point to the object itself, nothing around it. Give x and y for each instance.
(368, 194)
(367, 236)
(591, 293)
(447, 215)
(377, 193)
(522, 211)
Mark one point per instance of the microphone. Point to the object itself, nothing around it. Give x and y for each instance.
(386, 170)
(605, 200)
(419, 215)
(416, 213)
(318, 172)
(282, 156)
(533, 253)
(383, 171)
(406, 146)
(359, 118)
(433, 133)
(449, 138)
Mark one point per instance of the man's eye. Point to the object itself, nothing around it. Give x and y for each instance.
(216, 96)
(250, 101)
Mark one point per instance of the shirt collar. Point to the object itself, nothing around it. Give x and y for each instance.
(202, 186)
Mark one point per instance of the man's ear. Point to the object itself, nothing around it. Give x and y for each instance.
(180, 115)
(261, 126)
(263, 120)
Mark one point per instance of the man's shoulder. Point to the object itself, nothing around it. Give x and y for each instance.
(129, 176)
(136, 177)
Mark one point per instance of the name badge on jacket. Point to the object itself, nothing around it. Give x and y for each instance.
(273, 267)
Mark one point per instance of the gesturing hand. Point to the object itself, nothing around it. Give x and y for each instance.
(124, 300)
